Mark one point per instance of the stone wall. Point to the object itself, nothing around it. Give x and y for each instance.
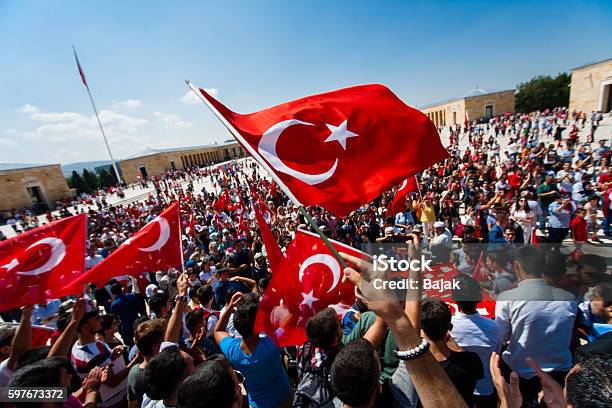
(453, 112)
(158, 163)
(14, 186)
(588, 87)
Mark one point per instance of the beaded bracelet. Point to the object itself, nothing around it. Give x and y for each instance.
(413, 353)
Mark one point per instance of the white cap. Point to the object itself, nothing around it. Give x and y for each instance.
(439, 224)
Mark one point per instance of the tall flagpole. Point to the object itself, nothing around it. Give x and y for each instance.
(93, 105)
(274, 176)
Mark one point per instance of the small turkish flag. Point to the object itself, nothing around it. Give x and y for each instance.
(157, 246)
(273, 251)
(222, 202)
(399, 201)
(37, 263)
(308, 280)
(343, 148)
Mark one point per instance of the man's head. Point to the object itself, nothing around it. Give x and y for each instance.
(244, 315)
(149, 336)
(439, 227)
(49, 372)
(323, 329)
(7, 332)
(165, 373)
(529, 262)
(194, 321)
(90, 323)
(468, 294)
(117, 290)
(435, 319)
(205, 295)
(354, 374)
(591, 269)
(159, 304)
(589, 384)
(213, 384)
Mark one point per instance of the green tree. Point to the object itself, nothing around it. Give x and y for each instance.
(107, 179)
(543, 92)
(76, 181)
(91, 179)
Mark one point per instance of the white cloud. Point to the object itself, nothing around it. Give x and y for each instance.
(128, 104)
(10, 131)
(68, 156)
(190, 98)
(60, 127)
(172, 121)
(27, 108)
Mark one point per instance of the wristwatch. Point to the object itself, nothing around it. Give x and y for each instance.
(180, 298)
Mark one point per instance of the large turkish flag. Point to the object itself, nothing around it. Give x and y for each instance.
(308, 279)
(36, 264)
(157, 246)
(343, 148)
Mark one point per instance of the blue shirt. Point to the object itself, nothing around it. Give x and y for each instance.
(265, 378)
(404, 218)
(562, 218)
(128, 308)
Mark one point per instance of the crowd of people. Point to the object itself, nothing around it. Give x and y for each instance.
(185, 337)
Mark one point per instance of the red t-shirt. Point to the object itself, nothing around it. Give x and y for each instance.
(579, 229)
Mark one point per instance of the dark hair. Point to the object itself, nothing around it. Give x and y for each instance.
(106, 321)
(556, 265)
(140, 321)
(116, 289)
(192, 319)
(468, 294)
(192, 292)
(518, 207)
(211, 385)
(591, 385)
(354, 373)
(205, 294)
(597, 262)
(322, 328)
(31, 356)
(531, 260)
(263, 283)
(164, 373)
(435, 318)
(157, 302)
(149, 334)
(244, 315)
(63, 320)
(43, 373)
(86, 316)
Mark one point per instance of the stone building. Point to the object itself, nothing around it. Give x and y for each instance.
(478, 104)
(35, 186)
(591, 87)
(152, 162)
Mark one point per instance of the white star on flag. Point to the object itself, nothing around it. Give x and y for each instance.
(309, 299)
(340, 133)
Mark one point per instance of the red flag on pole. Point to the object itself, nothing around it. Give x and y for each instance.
(222, 202)
(36, 264)
(273, 251)
(81, 72)
(399, 201)
(157, 246)
(339, 149)
(309, 280)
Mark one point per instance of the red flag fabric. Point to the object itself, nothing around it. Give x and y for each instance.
(81, 72)
(342, 148)
(155, 247)
(480, 273)
(222, 202)
(399, 201)
(36, 264)
(192, 223)
(309, 279)
(273, 251)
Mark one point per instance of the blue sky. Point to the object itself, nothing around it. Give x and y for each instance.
(136, 56)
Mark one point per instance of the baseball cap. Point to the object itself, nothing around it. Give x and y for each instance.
(439, 224)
